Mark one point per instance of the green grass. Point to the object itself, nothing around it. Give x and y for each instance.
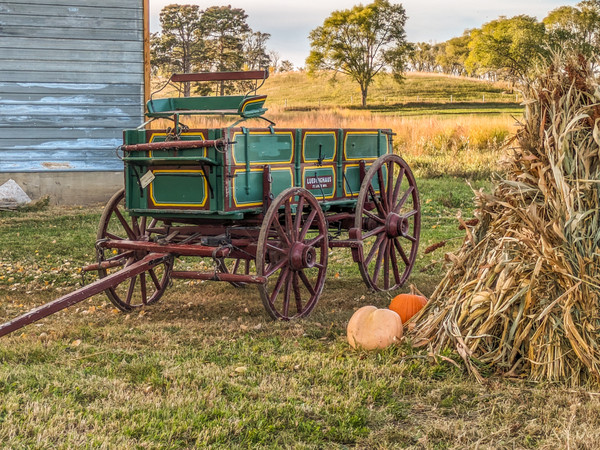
(205, 367)
(419, 94)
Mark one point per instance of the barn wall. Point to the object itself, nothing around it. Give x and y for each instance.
(71, 79)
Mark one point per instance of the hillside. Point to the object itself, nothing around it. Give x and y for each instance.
(419, 93)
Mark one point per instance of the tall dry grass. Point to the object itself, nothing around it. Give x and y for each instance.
(436, 145)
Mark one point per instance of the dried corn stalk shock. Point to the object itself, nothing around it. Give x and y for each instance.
(522, 296)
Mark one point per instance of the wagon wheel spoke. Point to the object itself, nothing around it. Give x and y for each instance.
(305, 228)
(397, 187)
(295, 266)
(282, 234)
(394, 260)
(288, 221)
(130, 290)
(370, 215)
(380, 256)
(288, 292)
(120, 256)
(307, 283)
(272, 268)
(155, 279)
(375, 248)
(278, 285)
(376, 201)
(373, 232)
(147, 287)
(143, 288)
(130, 233)
(297, 293)
(389, 237)
(315, 240)
(401, 252)
(298, 219)
(382, 192)
(402, 201)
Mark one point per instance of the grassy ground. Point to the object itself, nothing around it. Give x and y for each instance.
(205, 366)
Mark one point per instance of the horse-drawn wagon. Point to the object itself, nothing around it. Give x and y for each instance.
(263, 205)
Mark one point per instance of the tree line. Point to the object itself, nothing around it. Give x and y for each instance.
(509, 48)
(217, 39)
(366, 40)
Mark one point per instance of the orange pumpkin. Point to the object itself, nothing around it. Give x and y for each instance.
(371, 328)
(407, 305)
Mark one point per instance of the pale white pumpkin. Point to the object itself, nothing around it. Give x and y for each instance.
(370, 328)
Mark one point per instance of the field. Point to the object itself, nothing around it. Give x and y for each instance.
(205, 367)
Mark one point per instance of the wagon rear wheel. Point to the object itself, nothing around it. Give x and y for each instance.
(145, 288)
(292, 254)
(388, 216)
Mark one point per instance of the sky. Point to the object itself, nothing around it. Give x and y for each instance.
(290, 21)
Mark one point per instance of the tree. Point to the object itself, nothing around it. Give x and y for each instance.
(286, 66)
(454, 53)
(422, 57)
(255, 50)
(509, 47)
(576, 27)
(222, 30)
(178, 48)
(361, 42)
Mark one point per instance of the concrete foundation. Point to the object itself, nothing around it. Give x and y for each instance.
(68, 188)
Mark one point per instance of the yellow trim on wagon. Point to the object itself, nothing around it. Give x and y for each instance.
(258, 169)
(262, 163)
(334, 133)
(362, 157)
(152, 137)
(176, 171)
(304, 169)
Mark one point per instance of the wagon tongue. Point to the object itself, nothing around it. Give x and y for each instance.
(148, 262)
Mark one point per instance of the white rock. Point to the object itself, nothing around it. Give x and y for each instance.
(11, 192)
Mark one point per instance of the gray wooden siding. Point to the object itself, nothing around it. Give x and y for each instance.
(71, 79)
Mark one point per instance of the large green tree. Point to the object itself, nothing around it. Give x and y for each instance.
(361, 42)
(177, 48)
(509, 47)
(576, 27)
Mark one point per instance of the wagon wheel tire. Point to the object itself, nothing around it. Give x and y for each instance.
(145, 288)
(388, 217)
(292, 254)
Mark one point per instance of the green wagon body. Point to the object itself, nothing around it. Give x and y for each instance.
(228, 182)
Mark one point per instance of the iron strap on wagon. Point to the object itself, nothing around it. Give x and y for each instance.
(263, 205)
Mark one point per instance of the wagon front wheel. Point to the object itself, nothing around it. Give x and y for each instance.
(388, 222)
(145, 288)
(292, 254)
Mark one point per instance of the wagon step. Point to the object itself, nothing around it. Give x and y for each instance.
(148, 262)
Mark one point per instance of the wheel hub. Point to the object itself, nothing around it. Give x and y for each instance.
(396, 225)
(302, 256)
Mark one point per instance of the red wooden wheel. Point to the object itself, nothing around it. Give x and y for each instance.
(145, 288)
(388, 216)
(292, 252)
